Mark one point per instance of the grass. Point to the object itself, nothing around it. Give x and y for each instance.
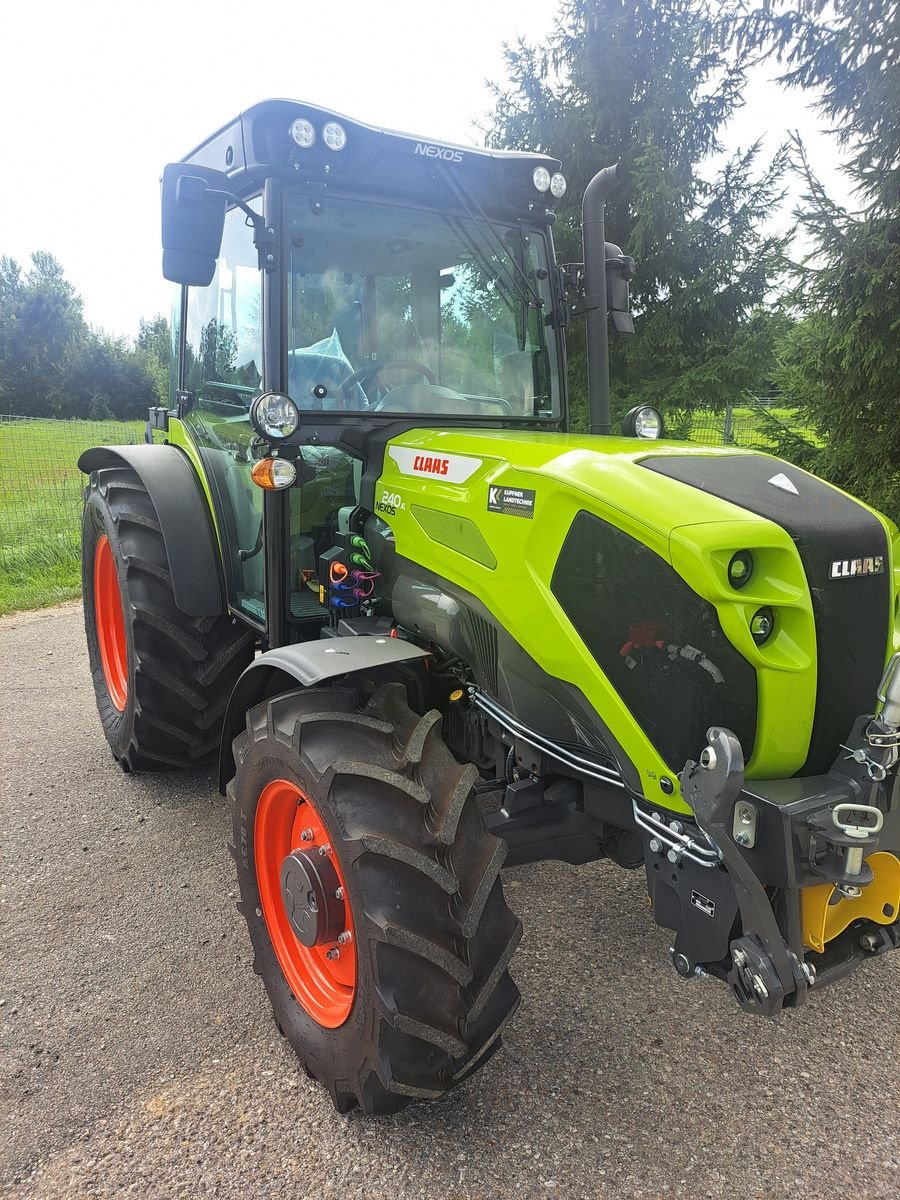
(40, 506)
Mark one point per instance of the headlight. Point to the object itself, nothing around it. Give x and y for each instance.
(541, 178)
(558, 185)
(643, 422)
(334, 136)
(303, 133)
(274, 416)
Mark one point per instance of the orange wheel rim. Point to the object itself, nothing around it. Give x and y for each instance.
(323, 976)
(110, 623)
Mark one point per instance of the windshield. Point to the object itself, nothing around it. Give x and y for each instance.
(400, 310)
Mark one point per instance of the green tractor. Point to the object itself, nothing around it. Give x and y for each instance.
(427, 631)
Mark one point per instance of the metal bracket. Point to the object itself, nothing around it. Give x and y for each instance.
(744, 825)
(264, 241)
(586, 303)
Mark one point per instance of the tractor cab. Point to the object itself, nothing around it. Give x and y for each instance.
(362, 280)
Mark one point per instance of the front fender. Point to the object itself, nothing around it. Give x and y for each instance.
(307, 664)
(184, 519)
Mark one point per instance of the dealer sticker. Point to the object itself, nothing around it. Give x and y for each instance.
(514, 502)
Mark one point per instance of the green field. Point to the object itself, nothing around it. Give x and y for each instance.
(40, 505)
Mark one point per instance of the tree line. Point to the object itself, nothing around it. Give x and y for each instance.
(727, 304)
(53, 364)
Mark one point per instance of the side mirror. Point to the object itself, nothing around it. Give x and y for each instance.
(619, 270)
(193, 220)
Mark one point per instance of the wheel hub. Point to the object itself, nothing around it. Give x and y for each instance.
(312, 896)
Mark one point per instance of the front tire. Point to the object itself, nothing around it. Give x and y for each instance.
(419, 992)
(162, 679)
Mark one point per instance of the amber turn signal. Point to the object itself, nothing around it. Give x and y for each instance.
(273, 473)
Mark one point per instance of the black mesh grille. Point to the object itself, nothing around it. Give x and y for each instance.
(852, 614)
(656, 640)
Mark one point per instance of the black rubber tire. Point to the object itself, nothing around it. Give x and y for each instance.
(434, 936)
(180, 669)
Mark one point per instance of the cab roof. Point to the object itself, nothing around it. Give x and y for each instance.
(258, 144)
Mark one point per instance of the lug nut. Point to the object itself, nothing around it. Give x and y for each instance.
(306, 835)
(333, 953)
(326, 849)
(339, 894)
(345, 937)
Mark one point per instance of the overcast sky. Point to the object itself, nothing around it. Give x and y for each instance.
(98, 96)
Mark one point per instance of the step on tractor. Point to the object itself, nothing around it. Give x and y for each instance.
(426, 631)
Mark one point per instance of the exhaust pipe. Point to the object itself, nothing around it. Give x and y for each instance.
(593, 234)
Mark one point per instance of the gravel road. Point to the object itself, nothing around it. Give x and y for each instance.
(138, 1056)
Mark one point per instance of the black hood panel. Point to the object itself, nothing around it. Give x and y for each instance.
(852, 613)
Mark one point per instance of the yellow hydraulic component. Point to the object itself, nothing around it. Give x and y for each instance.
(826, 913)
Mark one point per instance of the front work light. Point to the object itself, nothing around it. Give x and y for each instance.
(558, 185)
(334, 136)
(274, 416)
(643, 422)
(273, 473)
(740, 568)
(303, 133)
(541, 179)
(762, 625)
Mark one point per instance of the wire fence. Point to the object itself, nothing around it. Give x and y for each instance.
(40, 484)
(728, 427)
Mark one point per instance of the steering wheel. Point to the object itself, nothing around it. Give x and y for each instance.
(370, 370)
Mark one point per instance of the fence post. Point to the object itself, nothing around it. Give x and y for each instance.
(729, 422)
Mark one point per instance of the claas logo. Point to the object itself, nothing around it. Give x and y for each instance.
(430, 466)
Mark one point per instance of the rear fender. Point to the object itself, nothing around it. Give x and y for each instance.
(184, 518)
(306, 664)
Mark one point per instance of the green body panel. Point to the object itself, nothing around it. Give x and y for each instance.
(507, 562)
(179, 436)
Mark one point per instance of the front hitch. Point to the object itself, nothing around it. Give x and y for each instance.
(766, 974)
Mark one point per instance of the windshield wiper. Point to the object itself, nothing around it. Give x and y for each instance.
(483, 261)
(474, 209)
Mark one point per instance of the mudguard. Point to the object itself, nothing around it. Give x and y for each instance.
(184, 518)
(308, 664)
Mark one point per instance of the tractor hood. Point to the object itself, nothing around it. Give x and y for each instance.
(615, 535)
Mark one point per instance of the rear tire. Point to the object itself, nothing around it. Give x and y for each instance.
(432, 935)
(162, 679)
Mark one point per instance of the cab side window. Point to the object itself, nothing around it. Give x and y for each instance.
(223, 373)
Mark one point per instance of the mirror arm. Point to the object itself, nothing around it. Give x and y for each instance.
(263, 234)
